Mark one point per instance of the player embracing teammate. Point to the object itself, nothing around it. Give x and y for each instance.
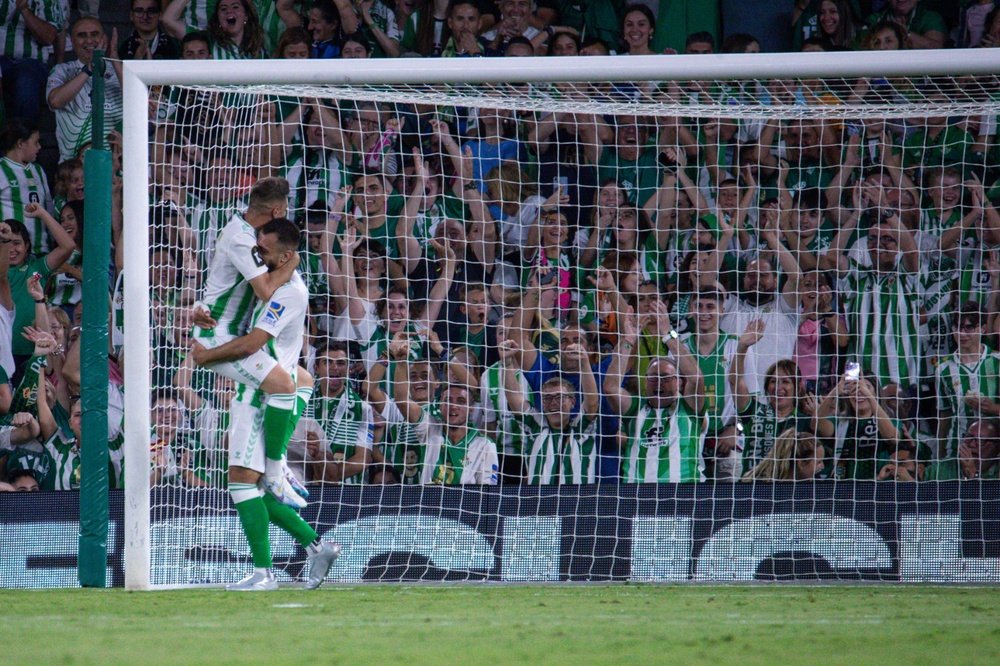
(251, 326)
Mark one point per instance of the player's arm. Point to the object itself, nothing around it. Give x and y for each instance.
(241, 347)
(265, 284)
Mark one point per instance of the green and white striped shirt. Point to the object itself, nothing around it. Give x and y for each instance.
(17, 40)
(404, 448)
(65, 455)
(347, 424)
(883, 313)
(66, 289)
(313, 175)
(20, 185)
(955, 381)
(719, 404)
(561, 456)
(73, 121)
(197, 13)
(664, 444)
(494, 398)
(228, 294)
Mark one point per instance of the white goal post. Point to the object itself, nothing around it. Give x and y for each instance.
(139, 76)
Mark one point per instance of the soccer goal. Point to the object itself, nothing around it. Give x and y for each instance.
(686, 318)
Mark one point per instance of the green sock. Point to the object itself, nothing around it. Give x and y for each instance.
(285, 517)
(278, 413)
(302, 396)
(253, 517)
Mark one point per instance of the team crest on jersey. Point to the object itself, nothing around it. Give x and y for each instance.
(274, 312)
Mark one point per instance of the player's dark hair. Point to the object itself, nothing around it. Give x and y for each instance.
(267, 192)
(287, 232)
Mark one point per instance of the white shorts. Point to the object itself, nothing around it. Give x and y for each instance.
(250, 370)
(246, 436)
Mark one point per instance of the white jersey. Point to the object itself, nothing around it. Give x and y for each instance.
(228, 294)
(781, 329)
(283, 317)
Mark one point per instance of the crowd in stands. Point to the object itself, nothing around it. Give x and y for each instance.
(554, 297)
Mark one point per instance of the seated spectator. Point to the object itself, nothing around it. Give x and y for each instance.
(294, 44)
(347, 421)
(69, 184)
(447, 449)
(978, 455)
(885, 36)
(69, 86)
(23, 181)
(699, 43)
(515, 21)
(866, 434)
(356, 45)
(26, 30)
(902, 466)
(796, 456)
(327, 22)
(464, 24)
(563, 44)
(832, 22)
(637, 29)
(921, 27)
(234, 28)
(779, 406)
(24, 481)
(148, 41)
(740, 42)
(196, 46)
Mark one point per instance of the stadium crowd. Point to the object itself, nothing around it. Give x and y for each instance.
(527, 297)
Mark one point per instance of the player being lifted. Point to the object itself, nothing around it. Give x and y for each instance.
(238, 280)
(278, 330)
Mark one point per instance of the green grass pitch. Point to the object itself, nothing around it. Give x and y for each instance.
(483, 623)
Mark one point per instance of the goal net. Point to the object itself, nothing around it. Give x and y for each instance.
(660, 329)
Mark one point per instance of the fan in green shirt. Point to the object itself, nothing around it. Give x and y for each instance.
(23, 265)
